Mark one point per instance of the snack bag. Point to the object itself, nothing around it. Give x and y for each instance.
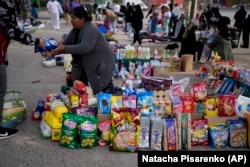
(187, 103)
(212, 106)
(104, 132)
(88, 131)
(177, 88)
(176, 104)
(227, 105)
(218, 135)
(248, 127)
(145, 101)
(170, 135)
(58, 108)
(129, 101)
(199, 107)
(84, 111)
(104, 103)
(144, 132)
(199, 91)
(116, 102)
(237, 133)
(69, 130)
(199, 132)
(242, 106)
(156, 133)
(125, 129)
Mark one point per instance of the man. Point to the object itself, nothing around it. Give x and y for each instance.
(117, 8)
(8, 30)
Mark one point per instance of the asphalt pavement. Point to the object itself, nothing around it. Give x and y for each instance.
(28, 148)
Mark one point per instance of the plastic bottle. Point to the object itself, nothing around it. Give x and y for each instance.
(155, 54)
(143, 53)
(132, 56)
(56, 132)
(67, 62)
(147, 53)
(139, 52)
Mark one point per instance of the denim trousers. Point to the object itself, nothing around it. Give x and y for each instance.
(3, 87)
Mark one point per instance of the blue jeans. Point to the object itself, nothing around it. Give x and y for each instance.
(3, 87)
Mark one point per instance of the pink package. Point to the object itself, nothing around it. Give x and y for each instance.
(129, 101)
(176, 104)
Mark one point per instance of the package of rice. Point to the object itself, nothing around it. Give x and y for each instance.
(156, 133)
(125, 128)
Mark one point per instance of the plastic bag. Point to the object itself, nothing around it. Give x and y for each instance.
(242, 106)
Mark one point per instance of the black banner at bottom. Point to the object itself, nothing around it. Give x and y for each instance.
(194, 158)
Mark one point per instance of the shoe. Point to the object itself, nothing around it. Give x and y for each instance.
(200, 62)
(49, 62)
(6, 133)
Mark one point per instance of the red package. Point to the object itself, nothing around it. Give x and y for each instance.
(188, 103)
(104, 132)
(199, 92)
(199, 132)
(227, 105)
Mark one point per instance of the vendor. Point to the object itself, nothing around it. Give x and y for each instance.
(93, 61)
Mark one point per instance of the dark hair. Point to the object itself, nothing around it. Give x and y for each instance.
(80, 12)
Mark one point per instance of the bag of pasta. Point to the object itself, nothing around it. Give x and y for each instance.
(125, 129)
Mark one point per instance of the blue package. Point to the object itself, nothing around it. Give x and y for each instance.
(145, 101)
(237, 133)
(218, 135)
(104, 103)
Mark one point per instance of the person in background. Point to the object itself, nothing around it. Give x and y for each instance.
(195, 20)
(8, 30)
(163, 10)
(75, 3)
(110, 17)
(17, 7)
(221, 42)
(166, 20)
(150, 10)
(35, 5)
(137, 17)
(117, 8)
(108, 6)
(54, 8)
(93, 61)
(154, 20)
(25, 7)
(189, 43)
(179, 29)
(66, 8)
(128, 19)
(176, 13)
(246, 32)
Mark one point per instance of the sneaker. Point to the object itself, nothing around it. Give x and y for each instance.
(6, 133)
(200, 62)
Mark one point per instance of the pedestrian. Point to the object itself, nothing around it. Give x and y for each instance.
(54, 8)
(34, 11)
(137, 18)
(166, 20)
(110, 17)
(221, 42)
(246, 32)
(8, 30)
(25, 8)
(66, 8)
(154, 20)
(128, 19)
(93, 60)
(189, 43)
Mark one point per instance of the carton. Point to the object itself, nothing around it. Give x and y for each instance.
(187, 62)
(188, 103)
(103, 117)
(162, 71)
(217, 119)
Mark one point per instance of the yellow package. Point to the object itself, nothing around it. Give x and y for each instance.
(56, 132)
(212, 107)
(50, 119)
(116, 102)
(58, 108)
(248, 127)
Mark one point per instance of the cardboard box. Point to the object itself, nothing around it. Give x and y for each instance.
(217, 119)
(161, 71)
(196, 116)
(174, 64)
(187, 62)
(103, 117)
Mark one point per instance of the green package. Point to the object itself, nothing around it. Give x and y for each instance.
(69, 130)
(88, 131)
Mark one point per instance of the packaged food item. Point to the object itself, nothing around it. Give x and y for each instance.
(50, 119)
(58, 108)
(104, 103)
(156, 133)
(199, 132)
(56, 132)
(144, 132)
(211, 106)
(227, 105)
(237, 133)
(129, 101)
(104, 128)
(176, 89)
(218, 135)
(176, 104)
(125, 129)
(199, 107)
(242, 106)
(116, 101)
(45, 129)
(74, 99)
(248, 127)
(184, 130)
(84, 111)
(145, 101)
(88, 131)
(199, 91)
(170, 142)
(187, 103)
(38, 112)
(69, 130)
(163, 108)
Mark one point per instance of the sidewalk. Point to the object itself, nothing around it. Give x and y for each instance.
(28, 148)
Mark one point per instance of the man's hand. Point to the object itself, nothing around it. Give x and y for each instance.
(59, 50)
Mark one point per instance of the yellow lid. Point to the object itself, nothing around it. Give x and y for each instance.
(57, 125)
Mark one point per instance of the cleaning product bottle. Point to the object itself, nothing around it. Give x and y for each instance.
(148, 53)
(139, 52)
